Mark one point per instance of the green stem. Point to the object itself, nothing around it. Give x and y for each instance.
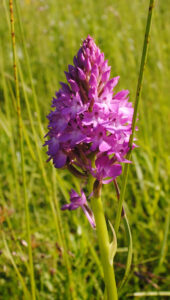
(138, 93)
(104, 246)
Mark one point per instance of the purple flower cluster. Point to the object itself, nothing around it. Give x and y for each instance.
(89, 120)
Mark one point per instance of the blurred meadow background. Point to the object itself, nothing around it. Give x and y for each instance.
(64, 248)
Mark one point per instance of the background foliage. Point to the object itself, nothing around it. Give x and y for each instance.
(48, 34)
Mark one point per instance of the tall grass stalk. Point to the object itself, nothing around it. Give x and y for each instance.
(22, 149)
(11, 138)
(29, 70)
(52, 201)
(25, 130)
(138, 94)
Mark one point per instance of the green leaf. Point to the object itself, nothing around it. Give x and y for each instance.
(113, 245)
(129, 255)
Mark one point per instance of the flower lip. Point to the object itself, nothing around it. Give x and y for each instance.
(77, 201)
(106, 170)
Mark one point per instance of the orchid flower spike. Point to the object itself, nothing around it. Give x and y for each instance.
(90, 125)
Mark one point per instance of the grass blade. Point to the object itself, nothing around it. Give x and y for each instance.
(164, 243)
(129, 254)
(138, 93)
(22, 149)
(25, 290)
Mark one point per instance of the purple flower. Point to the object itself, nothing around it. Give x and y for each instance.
(89, 119)
(106, 169)
(90, 125)
(80, 201)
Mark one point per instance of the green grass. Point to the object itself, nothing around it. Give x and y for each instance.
(64, 247)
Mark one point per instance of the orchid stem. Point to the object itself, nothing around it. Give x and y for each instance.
(138, 93)
(104, 245)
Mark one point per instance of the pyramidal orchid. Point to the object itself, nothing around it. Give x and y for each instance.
(88, 133)
(88, 118)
